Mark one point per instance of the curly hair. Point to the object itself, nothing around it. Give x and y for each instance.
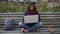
(34, 9)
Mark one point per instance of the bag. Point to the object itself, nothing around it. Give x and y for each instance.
(9, 24)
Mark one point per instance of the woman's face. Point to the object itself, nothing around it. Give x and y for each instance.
(31, 7)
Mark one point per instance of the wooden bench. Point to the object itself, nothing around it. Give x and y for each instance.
(48, 19)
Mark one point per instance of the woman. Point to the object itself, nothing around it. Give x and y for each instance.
(30, 27)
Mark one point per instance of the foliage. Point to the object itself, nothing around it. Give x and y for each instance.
(16, 7)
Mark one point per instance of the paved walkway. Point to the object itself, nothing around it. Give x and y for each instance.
(19, 32)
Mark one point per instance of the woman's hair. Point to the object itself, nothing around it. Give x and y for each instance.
(34, 9)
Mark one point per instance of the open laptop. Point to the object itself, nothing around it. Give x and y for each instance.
(31, 19)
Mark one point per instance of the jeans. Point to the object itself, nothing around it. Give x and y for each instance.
(23, 25)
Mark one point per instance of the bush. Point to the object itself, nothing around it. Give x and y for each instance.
(15, 7)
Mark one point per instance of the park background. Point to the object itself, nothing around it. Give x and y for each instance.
(14, 6)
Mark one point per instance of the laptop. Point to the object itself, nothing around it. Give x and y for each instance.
(31, 19)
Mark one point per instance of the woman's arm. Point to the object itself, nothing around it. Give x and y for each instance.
(25, 13)
(38, 16)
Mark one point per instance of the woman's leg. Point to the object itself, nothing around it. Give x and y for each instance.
(23, 25)
(35, 26)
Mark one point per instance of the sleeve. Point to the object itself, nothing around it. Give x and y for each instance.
(25, 13)
(38, 16)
